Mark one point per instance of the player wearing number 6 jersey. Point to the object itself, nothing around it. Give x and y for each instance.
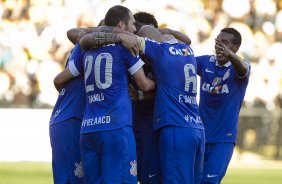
(107, 140)
(176, 113)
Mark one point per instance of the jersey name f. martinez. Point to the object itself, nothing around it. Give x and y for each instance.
(221, 95)
(71, 100)
(174, 68)
(108, 104)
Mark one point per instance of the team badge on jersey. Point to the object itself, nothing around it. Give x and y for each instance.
(62, 92)
(78, 172)
(133, 169)
(212, 59)
(226, 75)
(216, 81)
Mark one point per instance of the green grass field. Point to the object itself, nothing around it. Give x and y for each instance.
(40, 173)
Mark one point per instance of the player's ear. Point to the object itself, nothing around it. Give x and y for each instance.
(235, 48)
(121, 25)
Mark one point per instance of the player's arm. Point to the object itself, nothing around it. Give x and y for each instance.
(62, 79)
(98, 39)
(141, 95)
(143, 83)
(177, 34)
(75, 34)
(241, 68)
(73, 69)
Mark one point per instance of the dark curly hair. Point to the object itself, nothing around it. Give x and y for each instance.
(146, 18)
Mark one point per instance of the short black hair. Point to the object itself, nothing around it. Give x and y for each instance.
(146, 18)
(115, 14)
(237, 36)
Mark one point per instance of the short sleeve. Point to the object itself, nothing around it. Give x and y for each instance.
(153, 50)
(199, 61)
(245, 62)
(75, 63)
(135, 64)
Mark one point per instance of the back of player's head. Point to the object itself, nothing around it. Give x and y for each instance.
(116, 14)
(146, 18)
(150, 32)
(102, 22)
(237, 39)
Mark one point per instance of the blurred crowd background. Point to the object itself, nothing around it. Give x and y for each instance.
(34, 47)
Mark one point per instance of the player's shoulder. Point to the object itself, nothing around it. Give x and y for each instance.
(115, 48)
(206, 59)
(150, 41)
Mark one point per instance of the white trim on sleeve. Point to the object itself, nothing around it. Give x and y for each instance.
(133, 69)
(248, 70)
(173, 41)
(73, 69)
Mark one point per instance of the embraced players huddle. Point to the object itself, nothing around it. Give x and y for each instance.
(98, 135)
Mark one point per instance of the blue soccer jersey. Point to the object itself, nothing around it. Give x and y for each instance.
(221, 95)
(70, 103)
(174, 68)
(108, 104)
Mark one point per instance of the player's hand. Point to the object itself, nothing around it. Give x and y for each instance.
(82, 33)
(221, 49)
(133, 92)
(130, 42)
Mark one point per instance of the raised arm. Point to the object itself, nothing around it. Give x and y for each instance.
(177, 34)
(98, 39)
(75, 34)
(240, 67)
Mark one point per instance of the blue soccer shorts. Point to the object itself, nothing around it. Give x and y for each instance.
(216, 160)
(66, 160)
(109, 156)
(182, 155)
(148, 157)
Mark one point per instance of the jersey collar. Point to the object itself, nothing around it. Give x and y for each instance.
(173, 41)
(226, 64)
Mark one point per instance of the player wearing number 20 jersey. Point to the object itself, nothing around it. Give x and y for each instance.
(107, 140)
(176, 113)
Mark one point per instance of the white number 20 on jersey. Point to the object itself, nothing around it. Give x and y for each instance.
(88, 65)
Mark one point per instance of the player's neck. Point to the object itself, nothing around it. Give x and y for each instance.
(222, 62)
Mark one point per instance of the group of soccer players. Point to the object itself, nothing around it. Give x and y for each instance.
(99, 136)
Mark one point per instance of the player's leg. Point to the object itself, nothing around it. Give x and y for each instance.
(199, 159)
(90, 146)
(66, 160)
(139, 137)
(150, 171)
(119, 163)
(178, 148)
(216, 161)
